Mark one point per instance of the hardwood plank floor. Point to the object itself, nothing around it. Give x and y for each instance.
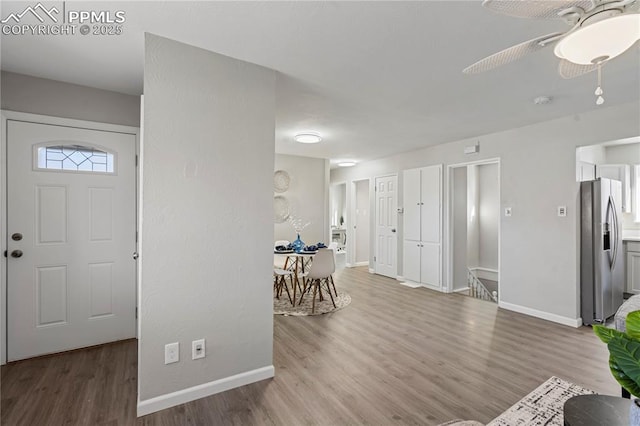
(395, 356)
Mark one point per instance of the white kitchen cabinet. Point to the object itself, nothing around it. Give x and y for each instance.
(621, 172)
(633, 267)
(422, 224)
(585, 171)
(636, 193)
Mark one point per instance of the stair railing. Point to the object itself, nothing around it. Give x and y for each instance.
(478, 290)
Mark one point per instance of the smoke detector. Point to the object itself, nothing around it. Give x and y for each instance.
(542, 100)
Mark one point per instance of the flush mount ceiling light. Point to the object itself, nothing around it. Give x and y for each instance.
(308, 137)
(347, 163)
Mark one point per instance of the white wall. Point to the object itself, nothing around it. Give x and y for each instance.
(460, 219)
(622, 154)
(338, 204)
(307, 195)
(488, 215)
(539, 251)
(362, 221)
(24, 93)
(594, 154)
(473, 217)
(207, 223)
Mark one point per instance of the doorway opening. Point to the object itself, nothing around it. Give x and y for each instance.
(361, 205)
(475, 229)
(339, 226)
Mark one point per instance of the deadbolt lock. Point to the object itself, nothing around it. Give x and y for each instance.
(16, 237)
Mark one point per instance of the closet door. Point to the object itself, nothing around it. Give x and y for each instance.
(411, 202)
(431, 204)
(430, 264)
(411, 261)
(431, 225)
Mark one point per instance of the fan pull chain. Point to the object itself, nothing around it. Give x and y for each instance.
(599, 91)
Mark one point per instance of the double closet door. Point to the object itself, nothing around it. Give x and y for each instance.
(422, 195)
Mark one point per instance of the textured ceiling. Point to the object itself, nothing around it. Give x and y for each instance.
(375, 78)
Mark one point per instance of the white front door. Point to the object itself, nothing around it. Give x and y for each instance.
(71, 235)
(386, 225)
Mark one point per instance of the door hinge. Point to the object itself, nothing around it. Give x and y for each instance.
(136, 312)
(136, 161)
(6, 254)
(136, 236)
(374, 258)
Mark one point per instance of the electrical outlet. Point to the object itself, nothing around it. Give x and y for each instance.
(171, 353)
(507, 211)
(197, 349)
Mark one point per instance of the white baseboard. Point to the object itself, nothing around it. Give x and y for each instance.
(458, 290)
(486, 273)
(372, 271)
(349, 265)
(365, 263)
(433, 287)
(400, 278)
(571, 322)
(410, 284)
(162, 402)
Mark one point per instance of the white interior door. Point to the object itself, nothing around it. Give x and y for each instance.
(431, 229)
(386, 225)
(71, 235)
(431, 211)
(411, 201)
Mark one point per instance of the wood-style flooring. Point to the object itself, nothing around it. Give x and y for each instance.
(395, 356)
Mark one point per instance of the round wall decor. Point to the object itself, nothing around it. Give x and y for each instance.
(281, 181)
(280, 209)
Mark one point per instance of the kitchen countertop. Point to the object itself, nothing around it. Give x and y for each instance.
(632, 235)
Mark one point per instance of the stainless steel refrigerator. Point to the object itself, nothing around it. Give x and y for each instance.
(601, 255)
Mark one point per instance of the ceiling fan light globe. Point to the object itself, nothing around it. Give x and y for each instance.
(600, 41)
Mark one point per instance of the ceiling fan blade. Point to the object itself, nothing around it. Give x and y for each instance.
(568, 69)
(511, 54)
(541, 9)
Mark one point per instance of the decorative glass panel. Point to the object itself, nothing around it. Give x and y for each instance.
(76, 158)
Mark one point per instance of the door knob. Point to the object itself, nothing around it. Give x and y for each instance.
(16, 253)
(135, 255)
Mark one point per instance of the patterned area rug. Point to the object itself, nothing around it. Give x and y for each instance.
(543, 406)
(282, 306)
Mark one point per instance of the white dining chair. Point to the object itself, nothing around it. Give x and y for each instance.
(321, 269)
(333, 246)
(280, 281)
(278, 259)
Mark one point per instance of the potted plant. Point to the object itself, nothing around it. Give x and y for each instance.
(624, 356)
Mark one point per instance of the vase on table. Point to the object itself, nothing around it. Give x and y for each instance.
(298, 244)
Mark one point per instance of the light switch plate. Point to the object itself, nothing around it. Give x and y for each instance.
(562, 211)
(171, 353)
(198, 349)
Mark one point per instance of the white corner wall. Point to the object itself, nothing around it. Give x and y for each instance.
(307, 195)
(488, 215)
(207, 224)
(539, 256)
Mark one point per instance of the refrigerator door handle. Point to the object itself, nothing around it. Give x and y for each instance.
(616, 232)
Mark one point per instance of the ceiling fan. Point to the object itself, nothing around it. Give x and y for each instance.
(600, 31)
